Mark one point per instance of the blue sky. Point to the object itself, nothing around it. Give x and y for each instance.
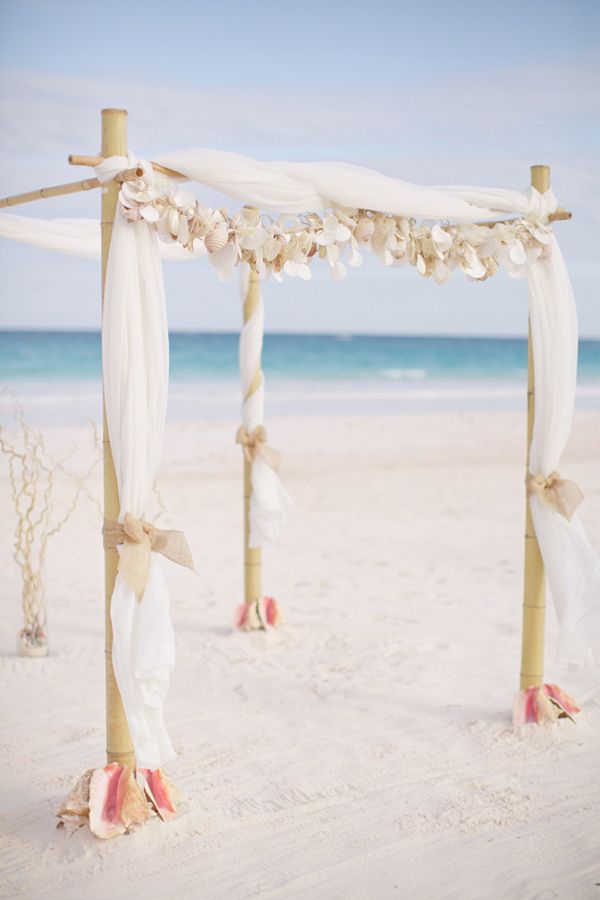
(446, 93)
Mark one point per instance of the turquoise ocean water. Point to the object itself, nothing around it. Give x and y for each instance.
(57, 374)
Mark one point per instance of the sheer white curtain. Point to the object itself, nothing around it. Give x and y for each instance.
(76, 237)
(135, 362)
(572, 566)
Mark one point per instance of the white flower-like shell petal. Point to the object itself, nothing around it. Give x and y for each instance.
(174, 222)
(149, 213)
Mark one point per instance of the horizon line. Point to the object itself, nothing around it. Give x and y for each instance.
(335, 334)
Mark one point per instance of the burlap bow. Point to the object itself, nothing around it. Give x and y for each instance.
(139, 539)
(255, 444)
(563, 496)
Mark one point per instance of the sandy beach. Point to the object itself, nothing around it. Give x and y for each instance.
(364, 751)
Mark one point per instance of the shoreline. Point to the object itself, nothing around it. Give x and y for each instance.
(68, 403)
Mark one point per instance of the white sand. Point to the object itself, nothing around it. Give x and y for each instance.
(365, 750)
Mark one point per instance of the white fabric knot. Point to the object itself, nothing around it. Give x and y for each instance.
(539, 206)
(112, 166)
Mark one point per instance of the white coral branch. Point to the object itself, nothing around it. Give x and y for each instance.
(32, 471)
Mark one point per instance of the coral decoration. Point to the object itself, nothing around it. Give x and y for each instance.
(41, 511)
(543, 704)
(111, 800)
(290, 244)
(260, 615)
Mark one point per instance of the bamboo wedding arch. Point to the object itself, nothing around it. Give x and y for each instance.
(537, 701)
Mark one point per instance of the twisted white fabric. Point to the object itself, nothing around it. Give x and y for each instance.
(572, 566)
(269, 502)
(299, 187)
(135, 362)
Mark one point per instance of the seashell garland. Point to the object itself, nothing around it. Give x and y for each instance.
(289, 244)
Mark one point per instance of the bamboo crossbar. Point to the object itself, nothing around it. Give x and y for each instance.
(79, 160)
(559, 215)
(73, 187)
(88, 184)
(58, 190)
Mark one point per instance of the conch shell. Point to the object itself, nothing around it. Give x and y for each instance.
(109, 799)
(543, 704)
(260, 615)
(116, 801)
(160, 792)
(75, 809)
(217, 238)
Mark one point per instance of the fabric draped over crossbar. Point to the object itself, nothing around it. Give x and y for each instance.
(572, 566)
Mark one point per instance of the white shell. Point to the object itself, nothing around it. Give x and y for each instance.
(217, 238)
(149, 213)
(174, 222)
(184, 231)
(184, 198)
(364, 229)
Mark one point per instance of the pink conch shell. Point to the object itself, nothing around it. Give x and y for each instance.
(258, 616)
(160, 792)
(241, 615)
(271, 611)
(116, 801)
(217, 238)
(542, 704)
(566, 703)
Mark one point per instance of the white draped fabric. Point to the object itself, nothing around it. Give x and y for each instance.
(269, 502)
(299, 187)
(135, 362)
(572, 566)
(76, 237)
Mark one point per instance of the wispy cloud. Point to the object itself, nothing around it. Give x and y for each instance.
(550, 104)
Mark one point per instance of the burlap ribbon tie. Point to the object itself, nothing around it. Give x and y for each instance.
(139, 539)
(563, 496)
(254, 444)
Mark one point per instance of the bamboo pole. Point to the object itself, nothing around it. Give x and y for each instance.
(559, 215)
(118, 741)
(534, 600)
(76, 159)
(59, 190)
(73, 187)
(252, 556)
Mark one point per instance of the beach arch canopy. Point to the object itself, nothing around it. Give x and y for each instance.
(294, 216)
